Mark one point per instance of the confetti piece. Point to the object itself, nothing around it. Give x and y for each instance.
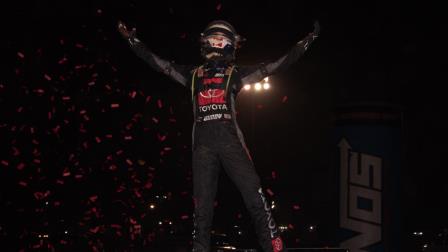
(161, 138)
(93, 198)
(23, 183)
(296, 207)
(47, 77)
(269, 191)
(62, 61)
(218, 7)
(148, 185)
(159, 103)
(21, 166)
(285, 98)
(184, 217)
(5, 163)
(115, 105)
(21, 55)
(66, 172)
(39, 91)
(94, 230)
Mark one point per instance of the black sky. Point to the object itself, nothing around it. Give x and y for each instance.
(378, 51)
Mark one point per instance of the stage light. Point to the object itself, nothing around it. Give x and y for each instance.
(258, 86)
(266, 86)
(152, 206)
(247, 87)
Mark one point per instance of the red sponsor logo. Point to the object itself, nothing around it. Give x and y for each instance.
(211, 96)
(212, 80)
(277, 244)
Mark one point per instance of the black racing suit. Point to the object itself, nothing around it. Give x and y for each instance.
(217, 139)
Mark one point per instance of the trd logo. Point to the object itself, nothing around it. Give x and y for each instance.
(360, 197)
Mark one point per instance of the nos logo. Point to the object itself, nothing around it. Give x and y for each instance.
(360, 197)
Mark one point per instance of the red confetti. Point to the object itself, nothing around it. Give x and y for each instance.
(93, 198)
(269, 191)
(39, 91)
(47, 77)
(148, 98)
(98, 140)
(78, 45)
(155, 120)
(62, 61)
(94, 230)
(296, 207)
(184, 217)
(20, 166)
(66, 98)
(115, 105)
(218, 7)
(274, 175)
(148, 185)
(285, 98)
(129, 162)
(5, 163)
(133, 94)
(66, 172)
(21, 55)
(23, 183)
(161, 138)
(159, 103)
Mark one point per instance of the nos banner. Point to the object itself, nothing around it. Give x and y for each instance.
(368, 150)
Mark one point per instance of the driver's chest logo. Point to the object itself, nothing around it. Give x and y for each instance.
(213, 90)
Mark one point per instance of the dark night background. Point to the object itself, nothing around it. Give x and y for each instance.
(90, 135)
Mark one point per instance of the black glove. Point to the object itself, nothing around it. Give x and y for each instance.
(125, 33)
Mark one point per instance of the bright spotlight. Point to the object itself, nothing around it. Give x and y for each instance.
(266, 86)
(247, 87)
(257, 86)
